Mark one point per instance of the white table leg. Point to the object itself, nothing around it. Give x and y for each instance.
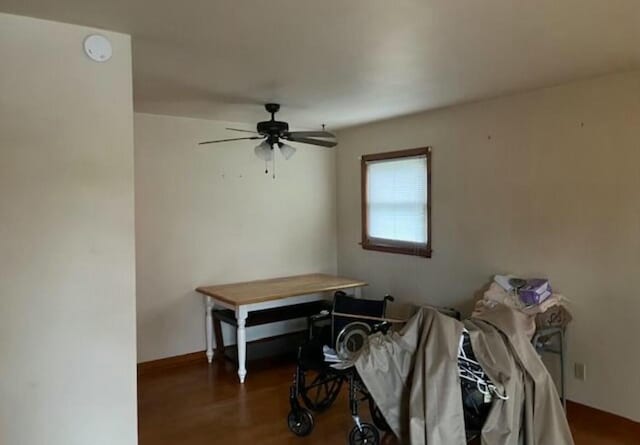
(241, 317)
(208, 304)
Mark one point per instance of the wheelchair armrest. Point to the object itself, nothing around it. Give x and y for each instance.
(323, 315)
(314, 320)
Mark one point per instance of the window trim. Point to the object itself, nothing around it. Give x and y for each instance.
(395, 246)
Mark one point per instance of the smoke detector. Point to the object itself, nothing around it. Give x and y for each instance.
(98, 48)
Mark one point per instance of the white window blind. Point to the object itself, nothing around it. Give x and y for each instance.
(397, 199)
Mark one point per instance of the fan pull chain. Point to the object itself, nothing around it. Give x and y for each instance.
(274, 163)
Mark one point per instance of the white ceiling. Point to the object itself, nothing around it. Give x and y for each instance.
(345, 62)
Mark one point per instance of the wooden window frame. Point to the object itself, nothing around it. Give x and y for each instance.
(395, 246)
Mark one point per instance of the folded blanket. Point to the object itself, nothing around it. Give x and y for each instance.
(556, 306)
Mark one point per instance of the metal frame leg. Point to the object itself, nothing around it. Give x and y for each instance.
(550, 333)
(354, 402)
(563, 394)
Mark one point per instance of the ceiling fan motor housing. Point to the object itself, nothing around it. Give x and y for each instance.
(272, 128)
(272, 131)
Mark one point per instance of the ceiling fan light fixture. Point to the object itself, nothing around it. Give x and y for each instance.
(287, 150)
(264, 151)
(272, 132)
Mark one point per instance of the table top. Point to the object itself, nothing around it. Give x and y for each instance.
(259, 291)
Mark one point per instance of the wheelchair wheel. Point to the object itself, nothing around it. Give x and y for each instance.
(367, 434)
(321, 392)
(300, 422)
(377, 417)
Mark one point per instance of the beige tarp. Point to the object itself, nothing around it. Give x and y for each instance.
(412, 376)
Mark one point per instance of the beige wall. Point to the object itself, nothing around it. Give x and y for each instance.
(67, 302)
(210, 215)
(540, 184)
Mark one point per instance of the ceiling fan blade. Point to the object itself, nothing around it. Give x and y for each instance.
(311, 134)
(312, 141)
(229, 140)
(244, 131)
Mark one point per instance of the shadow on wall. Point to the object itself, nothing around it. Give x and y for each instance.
(404, 309)
(157, 320)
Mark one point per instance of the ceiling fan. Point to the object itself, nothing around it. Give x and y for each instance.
(273, 133)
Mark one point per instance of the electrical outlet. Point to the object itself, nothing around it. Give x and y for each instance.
(580, 371)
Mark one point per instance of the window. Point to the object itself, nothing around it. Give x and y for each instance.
(396, 203)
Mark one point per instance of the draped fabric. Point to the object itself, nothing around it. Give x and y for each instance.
(412, 376)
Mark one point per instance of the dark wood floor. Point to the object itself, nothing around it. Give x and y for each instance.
(200, 404)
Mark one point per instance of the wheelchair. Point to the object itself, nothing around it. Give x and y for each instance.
(346, 328)
(317, 384)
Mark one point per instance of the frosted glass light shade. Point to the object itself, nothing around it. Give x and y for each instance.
(286, 150)
(264, 151)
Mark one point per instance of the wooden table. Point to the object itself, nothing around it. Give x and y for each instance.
(264, 294)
